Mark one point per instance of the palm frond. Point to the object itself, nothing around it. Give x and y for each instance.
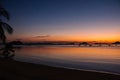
(2, 35)
(4, 13)
(3, 38)
(7, 27)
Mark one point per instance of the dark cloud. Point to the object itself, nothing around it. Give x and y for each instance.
(44, 36)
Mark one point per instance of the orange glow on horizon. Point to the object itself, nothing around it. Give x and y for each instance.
(67, 38)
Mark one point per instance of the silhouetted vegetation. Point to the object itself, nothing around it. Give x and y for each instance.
(4, 27)
(6, 51)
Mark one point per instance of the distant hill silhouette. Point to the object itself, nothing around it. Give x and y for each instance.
(16, 43)
(117, 42)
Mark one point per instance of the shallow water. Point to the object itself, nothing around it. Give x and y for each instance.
(91, 58)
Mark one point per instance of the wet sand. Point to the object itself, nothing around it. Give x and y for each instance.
(15, 70)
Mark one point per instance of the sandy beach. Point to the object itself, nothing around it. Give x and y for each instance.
(15, 70)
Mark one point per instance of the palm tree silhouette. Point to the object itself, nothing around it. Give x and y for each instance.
(3, 25)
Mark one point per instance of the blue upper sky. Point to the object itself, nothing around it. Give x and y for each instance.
(78, 18)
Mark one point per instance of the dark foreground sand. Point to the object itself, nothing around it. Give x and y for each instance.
(14, 70)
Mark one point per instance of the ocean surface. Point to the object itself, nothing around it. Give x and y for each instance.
(104, 59)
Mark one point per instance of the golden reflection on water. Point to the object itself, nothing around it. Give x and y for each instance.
(75, 53)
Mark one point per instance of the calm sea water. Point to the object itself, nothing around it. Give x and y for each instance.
(89, 58)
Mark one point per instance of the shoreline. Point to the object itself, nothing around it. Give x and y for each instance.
(95, 67)
(16, 70)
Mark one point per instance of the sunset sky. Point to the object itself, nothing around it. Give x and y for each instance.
(64, 20)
